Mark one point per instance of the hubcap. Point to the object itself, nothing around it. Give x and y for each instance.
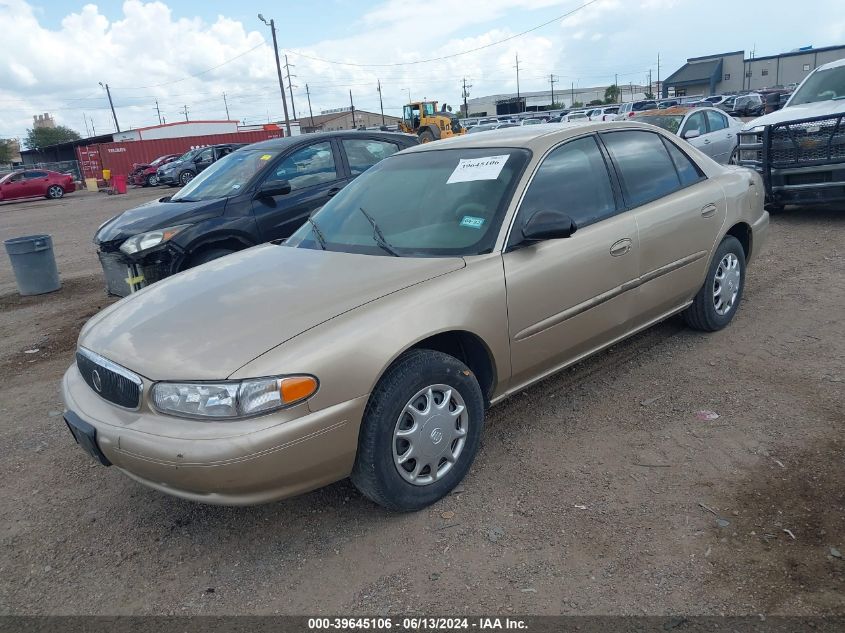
(54, 192)
(153, 181)
(726, 284)
(430, 434)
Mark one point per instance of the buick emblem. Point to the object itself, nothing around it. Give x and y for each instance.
(97, 381)
(436, 436)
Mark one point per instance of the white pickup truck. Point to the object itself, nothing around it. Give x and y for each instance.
(800, 149)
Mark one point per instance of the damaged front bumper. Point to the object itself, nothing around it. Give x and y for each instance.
(125, 274)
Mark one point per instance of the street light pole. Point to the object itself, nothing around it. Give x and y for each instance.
(272, 25)
(111, 104)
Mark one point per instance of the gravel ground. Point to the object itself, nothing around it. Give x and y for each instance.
(598, 491)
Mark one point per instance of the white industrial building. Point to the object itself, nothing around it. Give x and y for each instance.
(494, 105)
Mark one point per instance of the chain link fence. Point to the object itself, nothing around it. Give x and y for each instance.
(63, 166)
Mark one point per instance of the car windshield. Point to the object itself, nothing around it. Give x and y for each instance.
(670, 122)
(822, 85)
(437, 203)
(189, 154)
(157, 161)
(227, 176)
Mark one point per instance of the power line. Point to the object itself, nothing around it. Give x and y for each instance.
(437, 59)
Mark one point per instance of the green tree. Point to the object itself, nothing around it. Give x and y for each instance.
(38, 138)
(5, 152)
(611, 94)
(649, 95)
(576, 104)
(595, 102)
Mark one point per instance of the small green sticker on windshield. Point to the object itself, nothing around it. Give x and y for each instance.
(472, 221)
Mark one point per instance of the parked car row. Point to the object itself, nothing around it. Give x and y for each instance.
(426, 288)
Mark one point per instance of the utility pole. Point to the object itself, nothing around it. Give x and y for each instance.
(649, 83)
(465, 94)
(518, 102)
(354, 127)
(310, 113)
(380, 104)
(572, 95)
(272, 25)
(184, 111)
(617, 94)
(552, 81)
(290, 87)
(659, 92)
(631, 86)
(158, 112)
(111, 103)
(87, 131)
(226, 105)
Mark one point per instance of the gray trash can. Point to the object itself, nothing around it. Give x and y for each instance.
(34, 264)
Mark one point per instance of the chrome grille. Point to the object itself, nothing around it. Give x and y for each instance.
(109, 380)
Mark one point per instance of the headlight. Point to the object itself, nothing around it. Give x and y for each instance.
(143, 241)
(232, 399)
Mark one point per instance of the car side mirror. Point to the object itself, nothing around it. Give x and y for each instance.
(272, 188)
(548, 225)
(692, 134)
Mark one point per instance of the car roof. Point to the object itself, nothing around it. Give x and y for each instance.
(537, 138)
(290, 141)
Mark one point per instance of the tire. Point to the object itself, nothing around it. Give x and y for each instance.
(774, 208)
(427, 136)
(733, 160)
(418, 377)
(151, 181)
(705, 313)
(185, 177)
(54, 192)
(211, 254)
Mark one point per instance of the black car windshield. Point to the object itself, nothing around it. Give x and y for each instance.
(227, 176)
(822, 85)
(438, 203)
(189, 154)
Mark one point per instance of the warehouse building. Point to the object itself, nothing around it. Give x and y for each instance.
(344, 119)
(732, 72)
(496, 105)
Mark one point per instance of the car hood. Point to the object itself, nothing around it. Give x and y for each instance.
(157, 215)
(803, 111)
(171, 165)
(207, 322)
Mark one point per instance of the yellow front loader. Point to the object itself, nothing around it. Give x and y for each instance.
(423, 119)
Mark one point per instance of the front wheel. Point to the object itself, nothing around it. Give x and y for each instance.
(185, 177)
(734, 159)
(152, 180)
(54, 192)
(209, 255)
(427, 136)
(421, 431)
(718, 300)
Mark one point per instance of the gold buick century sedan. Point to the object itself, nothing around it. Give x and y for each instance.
(441, 281)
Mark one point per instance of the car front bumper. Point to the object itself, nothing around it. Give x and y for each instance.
(125, 274)
(166, 178)
(243, 462)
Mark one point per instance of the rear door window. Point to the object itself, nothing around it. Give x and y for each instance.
(646, 172)
(688, 171)
(716, 121)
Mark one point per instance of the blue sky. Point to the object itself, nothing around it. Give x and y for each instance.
(53, 53)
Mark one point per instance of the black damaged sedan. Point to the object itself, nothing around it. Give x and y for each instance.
(259, 193)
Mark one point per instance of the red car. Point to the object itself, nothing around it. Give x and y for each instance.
(35, 183)
(145, 175)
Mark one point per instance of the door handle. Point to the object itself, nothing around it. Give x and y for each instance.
(708, 210)
(621, 247)
(332, 192)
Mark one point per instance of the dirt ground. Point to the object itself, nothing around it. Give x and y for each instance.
(599, 491)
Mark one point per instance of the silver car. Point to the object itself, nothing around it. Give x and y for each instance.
(707, 129)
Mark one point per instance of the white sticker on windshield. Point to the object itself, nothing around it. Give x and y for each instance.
(484, 168)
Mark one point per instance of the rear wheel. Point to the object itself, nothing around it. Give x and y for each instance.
(427, 136)
(185, 177)
(421, 431)
(734, 159)
(718, 300)
(55, 192)
(152, 180)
